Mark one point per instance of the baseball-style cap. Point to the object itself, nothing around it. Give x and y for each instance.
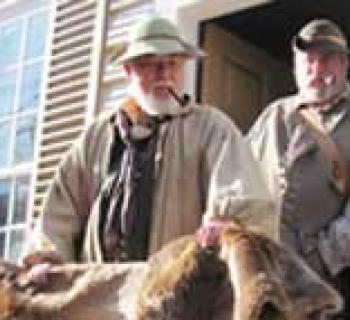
(155, 35)
(320, 34)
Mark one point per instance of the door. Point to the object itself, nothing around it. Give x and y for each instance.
(239, 78)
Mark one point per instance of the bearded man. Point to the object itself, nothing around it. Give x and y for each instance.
(315, 210)
(156, 167)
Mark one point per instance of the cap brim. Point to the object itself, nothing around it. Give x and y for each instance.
(319, 45)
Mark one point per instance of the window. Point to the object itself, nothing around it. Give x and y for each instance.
(22, 51)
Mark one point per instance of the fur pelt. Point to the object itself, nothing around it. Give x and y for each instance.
(72, 292)
(247, 277)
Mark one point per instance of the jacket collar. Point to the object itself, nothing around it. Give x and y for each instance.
(140, 125)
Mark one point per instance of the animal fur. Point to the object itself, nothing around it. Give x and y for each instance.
(248, 277)
(253, 279)
(186, 282)
(73, 292)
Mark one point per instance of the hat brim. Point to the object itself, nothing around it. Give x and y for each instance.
(157, 47)
(319, 45)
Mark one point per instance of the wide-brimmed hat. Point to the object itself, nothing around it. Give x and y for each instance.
(154, 35)
(320, 34)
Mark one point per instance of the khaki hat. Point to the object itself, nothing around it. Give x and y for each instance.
(154, 35)
(320, 34)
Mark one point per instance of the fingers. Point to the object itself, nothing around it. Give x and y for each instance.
(209, 235)
(38, 266)
(38, 274)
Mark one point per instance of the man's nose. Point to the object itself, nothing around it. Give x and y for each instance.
(317, 66)
(163, 69)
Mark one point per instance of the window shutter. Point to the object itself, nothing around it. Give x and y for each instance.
(66, 88)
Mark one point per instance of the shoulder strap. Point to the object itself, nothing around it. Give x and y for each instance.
(328, 147)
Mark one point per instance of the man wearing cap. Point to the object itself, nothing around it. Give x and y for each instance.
(315, 212)
(156, 167)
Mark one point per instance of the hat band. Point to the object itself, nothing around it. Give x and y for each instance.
(160, 36)
(337, 43)
(335, 40)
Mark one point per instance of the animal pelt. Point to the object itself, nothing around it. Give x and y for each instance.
(72, 292)
(186, 282)
(247, 277)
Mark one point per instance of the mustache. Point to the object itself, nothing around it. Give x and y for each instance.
(327, 80)
(163, 84)
(182, 100)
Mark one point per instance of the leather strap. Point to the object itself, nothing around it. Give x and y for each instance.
(328, 147)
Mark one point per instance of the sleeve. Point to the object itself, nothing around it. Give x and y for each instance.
(256, 137)
(236, 189)
(67, 203)
(334, 242)
(268, 141)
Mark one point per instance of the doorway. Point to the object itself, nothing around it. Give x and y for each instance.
(249, 60)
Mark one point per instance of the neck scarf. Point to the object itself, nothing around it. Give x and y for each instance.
(127, 201)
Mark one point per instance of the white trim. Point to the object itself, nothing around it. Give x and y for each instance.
(19, 81)
(17, 226)
(23, 15)
(5, 228)
(97, 62)
(19, 169)
(7, 4)
(11, 204)
(16, 8)
(201, 10)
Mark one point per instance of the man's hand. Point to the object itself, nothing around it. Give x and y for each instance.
(209, 234)
(39, 265)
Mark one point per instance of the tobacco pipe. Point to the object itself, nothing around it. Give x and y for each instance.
(181, 100)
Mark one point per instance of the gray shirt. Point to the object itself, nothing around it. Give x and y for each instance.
(299, 176)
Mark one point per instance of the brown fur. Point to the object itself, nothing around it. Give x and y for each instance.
(264, 279)
(248, 277)
(184, 283)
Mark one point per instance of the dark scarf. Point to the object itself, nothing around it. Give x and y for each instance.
(127, 198)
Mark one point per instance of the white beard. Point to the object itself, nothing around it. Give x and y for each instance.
(318, 95)
(152, 105)
(333, 86)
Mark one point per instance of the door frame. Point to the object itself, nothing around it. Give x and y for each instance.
(188, 14)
